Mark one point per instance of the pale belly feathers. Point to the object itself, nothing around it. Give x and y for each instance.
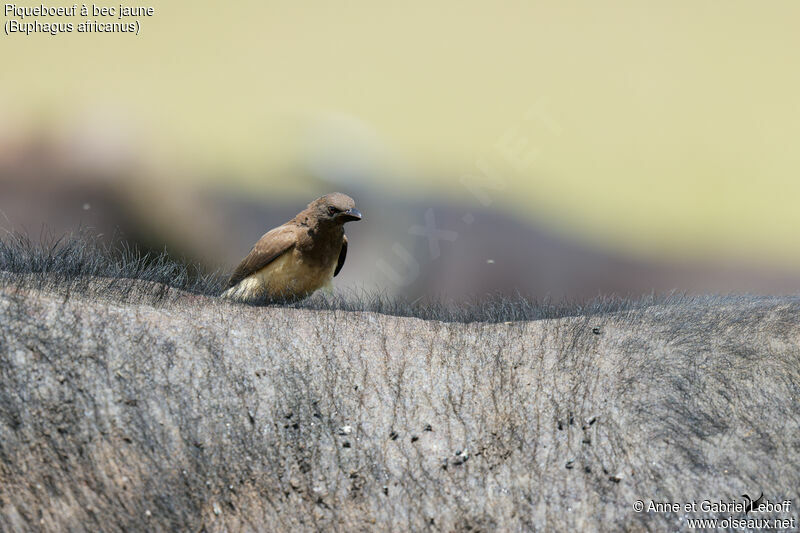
(286, 278)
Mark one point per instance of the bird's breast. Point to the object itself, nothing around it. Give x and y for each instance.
(320, 246)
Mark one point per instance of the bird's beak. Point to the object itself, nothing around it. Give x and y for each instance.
(350, 214)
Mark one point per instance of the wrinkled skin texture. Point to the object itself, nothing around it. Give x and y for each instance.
(146, 408)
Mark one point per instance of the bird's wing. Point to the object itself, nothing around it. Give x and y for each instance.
(342, 256)
(269, 247)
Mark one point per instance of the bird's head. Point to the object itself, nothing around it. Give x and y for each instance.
(335, 208)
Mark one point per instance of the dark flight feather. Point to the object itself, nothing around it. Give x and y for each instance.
(342, 256)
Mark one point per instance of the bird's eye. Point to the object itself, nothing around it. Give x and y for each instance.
(332, 210)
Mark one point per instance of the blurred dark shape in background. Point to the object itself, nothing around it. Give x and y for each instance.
(405, 247)
(532, 147)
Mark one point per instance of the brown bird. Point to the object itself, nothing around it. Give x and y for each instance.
(290, 262)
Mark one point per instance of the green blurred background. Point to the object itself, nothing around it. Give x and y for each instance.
(569, 148)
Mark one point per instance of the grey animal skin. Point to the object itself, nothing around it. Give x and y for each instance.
(131, 406)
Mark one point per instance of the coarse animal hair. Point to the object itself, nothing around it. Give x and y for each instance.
(80, 263)
(151, 405)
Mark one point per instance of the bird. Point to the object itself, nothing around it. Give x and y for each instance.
(290, 262)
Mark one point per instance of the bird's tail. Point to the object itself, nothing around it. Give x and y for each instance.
(248, 291)
(234, 293)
